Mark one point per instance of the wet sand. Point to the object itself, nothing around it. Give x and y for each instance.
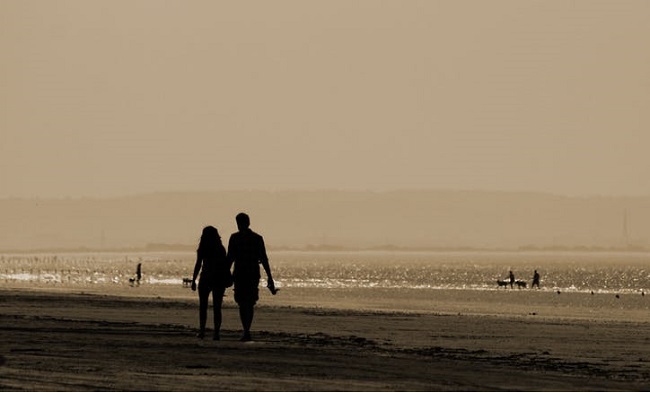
(66, 340)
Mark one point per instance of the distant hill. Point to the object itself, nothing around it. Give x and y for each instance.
(330, 220)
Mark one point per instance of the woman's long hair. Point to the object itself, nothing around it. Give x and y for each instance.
(210, 243)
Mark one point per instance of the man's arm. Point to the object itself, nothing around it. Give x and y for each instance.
(264, 260)
(230, 255)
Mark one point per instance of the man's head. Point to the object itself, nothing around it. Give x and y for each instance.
(243, 221)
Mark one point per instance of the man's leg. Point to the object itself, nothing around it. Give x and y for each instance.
(246, 312)
(246, 295)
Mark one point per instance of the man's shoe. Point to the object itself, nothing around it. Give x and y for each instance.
(200, 334)
(216, 337)
(246, 337)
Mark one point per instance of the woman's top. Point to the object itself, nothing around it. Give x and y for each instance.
(215, 269)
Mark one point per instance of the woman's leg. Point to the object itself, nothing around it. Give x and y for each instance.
(217, 300)
(204, 296)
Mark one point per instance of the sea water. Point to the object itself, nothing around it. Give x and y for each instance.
(598, 272)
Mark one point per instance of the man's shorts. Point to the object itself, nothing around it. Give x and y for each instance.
(246, 291)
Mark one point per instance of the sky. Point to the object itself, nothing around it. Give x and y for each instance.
(108, 98)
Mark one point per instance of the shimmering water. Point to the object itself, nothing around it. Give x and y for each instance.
(579, 272)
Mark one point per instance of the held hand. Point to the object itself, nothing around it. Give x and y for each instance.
(193, 285)
(271, 286)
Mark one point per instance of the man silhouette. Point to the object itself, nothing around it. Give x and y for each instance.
(246, 250)
(535, 279)
(138, 273)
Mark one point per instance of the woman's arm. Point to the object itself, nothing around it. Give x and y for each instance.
(197, 269)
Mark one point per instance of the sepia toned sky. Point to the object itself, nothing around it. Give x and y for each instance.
(106, 98)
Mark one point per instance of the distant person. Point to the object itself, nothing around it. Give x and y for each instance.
(138, 273)
(215, 278)
(247, 251)
(512, 279)
(535, 279)
(135, 280)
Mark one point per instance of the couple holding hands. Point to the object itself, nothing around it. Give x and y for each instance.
(246, 250)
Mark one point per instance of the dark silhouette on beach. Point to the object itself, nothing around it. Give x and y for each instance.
(247, 251)
(138, 273)
(512, 279)
(135, 280)
(215, 277)
(535, 280)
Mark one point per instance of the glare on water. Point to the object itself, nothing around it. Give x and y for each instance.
(580, 272)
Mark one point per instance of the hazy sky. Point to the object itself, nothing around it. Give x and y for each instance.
(103, 98)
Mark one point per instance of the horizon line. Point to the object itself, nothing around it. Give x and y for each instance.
(323, 190)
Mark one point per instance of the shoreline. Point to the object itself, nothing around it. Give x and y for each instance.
(516, 303)
(69, 341)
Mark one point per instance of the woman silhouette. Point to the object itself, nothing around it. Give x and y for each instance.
(215, 277)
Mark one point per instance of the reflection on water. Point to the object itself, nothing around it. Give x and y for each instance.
(580, 272)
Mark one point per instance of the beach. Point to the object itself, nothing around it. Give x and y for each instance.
(70, 340)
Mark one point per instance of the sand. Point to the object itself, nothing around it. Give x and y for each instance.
(66, 340)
